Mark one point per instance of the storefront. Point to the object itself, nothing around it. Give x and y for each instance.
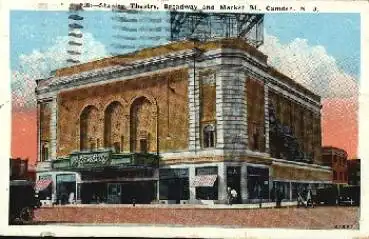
(58, 187)
(102, 177)
(174, 184)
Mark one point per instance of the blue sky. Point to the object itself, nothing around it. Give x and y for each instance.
(321, 51)
(338, 33)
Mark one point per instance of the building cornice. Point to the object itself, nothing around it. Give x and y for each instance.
(114, 73)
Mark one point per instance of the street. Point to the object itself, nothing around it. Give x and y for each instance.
(292, 217)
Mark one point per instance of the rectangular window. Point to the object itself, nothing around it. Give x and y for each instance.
(143, 145)
(65, 187)
(92, 146)
(208, 136)
(207, 193)
(117, 147)
(258, 182)
(334, 175)
(47, 192)
(44, 152)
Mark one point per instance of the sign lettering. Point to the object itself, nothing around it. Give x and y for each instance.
(91, 159)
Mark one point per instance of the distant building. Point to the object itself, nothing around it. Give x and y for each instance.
(353, 172)
(19, 169)
(337, 159)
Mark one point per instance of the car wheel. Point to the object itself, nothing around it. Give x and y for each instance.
(26, 215)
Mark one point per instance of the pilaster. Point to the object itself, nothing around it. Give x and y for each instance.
(243, 183)
(266, 110)
(53, 128)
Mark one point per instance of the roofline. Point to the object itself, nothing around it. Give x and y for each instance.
(236, 43)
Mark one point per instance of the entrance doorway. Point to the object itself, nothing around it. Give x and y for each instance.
(234, 181)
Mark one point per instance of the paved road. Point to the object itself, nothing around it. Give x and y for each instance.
(302, 218)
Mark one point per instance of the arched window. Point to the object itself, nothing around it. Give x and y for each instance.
(209, 136)
(142, 126)
(88, 128)
(113, 125)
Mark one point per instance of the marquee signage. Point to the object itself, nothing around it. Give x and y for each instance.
(90, 159)
(95, 160)
(58, 164)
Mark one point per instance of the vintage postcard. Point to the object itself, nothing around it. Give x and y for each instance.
(170, 118)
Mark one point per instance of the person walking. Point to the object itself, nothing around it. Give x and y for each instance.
(233, 196)
(229, 196)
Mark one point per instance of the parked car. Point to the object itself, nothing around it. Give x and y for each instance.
(22, 201)
(327, 196)
(349, 195)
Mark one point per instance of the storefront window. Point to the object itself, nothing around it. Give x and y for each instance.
(207, 193)
(283, 188)
(47, 192)
(258, 182)
(174, 184)
(65, 188)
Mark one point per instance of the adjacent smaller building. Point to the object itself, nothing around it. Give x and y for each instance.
(337, 159)
(20, 170)
(353, 169)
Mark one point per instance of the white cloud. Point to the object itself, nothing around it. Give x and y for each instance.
(311, 66)
(39, 64)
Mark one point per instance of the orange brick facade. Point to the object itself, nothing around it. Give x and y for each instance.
(337, 159)
(118, 112)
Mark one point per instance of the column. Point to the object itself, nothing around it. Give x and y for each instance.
(194, 105)
(244, 191)
(222, 183)
(53, 128)
(270, 181)
(266, 115)
(191, 178)
(290, 191)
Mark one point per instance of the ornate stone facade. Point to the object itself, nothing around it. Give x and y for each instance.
(218, 108)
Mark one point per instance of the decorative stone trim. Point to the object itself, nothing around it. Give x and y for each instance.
(266, 114)
(53, 128)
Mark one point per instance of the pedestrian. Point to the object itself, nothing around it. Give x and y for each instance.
(279, 198)
(309, 201)
(300, 200)
(233, 196)
(229, 196)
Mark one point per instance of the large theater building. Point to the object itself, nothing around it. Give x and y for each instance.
(182, 122)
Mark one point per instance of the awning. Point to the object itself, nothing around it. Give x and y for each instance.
(204, 181)
(42, 184)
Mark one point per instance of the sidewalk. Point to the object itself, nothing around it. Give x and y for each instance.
(179, 206)
(293, 217)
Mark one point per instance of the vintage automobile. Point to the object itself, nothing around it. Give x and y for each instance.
(22, 201)
(327, 196)
(349, 195)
